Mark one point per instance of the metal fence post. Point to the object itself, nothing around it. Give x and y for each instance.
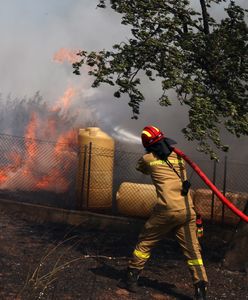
(88, 179)
(214, 181)
(83, 176)
(224, 188)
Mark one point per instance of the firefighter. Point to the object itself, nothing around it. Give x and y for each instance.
(174, 211)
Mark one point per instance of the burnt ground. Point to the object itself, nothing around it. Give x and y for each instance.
(50, 261)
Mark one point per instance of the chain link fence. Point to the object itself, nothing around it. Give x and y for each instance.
(230, 177)
(64, 175)
(37, 171)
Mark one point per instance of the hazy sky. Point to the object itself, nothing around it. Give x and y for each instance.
(32, 31)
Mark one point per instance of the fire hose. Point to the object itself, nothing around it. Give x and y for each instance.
(203, 176)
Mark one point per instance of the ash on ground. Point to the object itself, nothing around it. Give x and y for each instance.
(51, 261)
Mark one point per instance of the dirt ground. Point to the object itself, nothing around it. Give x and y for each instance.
(49, 261)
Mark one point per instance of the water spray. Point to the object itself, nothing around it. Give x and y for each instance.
(125, 136)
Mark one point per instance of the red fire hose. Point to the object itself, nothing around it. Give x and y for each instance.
(212, 186)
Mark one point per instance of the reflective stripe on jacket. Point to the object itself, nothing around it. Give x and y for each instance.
(167, 183)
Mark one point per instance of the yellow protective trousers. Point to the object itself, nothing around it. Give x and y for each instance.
(183, 223)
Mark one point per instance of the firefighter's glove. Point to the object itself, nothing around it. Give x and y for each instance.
(185, 187)
(199, 226)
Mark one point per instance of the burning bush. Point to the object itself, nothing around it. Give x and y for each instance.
(38, 143)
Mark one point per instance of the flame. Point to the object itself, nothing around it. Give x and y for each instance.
(65, 101)
(53, 182)
(50, 127)
(56, 181)
(66, 55)
(3, 176)
(36, 169)
(71, 56)
(31, 135)
(15, 162)
(65, 141)
(44, 183)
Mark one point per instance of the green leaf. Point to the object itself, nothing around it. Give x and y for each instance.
(205, 61)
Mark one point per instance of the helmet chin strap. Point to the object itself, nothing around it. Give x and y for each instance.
(217, 192)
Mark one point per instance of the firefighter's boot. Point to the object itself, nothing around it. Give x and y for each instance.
(200, 291)
(130, 282)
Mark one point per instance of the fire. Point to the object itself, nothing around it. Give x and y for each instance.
(50, 127)
(71, 56)
(66, 55)
(38, 165)
(30, 136)
(65, 101)
(15, 162)
(3, 176)
(65, 140)
(53, 182)
(44, 182)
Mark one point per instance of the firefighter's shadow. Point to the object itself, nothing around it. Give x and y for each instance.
(163, 287)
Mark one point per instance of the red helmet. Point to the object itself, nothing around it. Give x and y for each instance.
(151, 135)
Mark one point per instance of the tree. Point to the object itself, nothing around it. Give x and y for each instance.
(203, 60)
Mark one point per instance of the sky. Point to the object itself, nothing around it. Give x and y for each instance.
(32, 32)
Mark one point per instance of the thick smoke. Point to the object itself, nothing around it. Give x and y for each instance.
(28, 63)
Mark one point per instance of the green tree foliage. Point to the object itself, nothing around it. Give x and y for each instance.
(202, 59)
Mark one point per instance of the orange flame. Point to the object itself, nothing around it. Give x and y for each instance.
(65, 101)
(30, 172)
(65, 141)
(53, 182)
(44, 183)
(66, 55)
(31, 135)
(50, 128)
(56, 181)
(16, 160)
(3, 176)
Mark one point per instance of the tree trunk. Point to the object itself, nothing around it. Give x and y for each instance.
(236, 258)
(205, 16)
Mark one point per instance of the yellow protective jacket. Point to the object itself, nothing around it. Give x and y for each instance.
(167, 182)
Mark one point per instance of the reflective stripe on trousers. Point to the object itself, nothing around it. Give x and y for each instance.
(141, 254)
(156, 228)
(195, 262)
(163, 162)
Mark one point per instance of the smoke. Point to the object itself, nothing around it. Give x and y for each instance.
(37, 54)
